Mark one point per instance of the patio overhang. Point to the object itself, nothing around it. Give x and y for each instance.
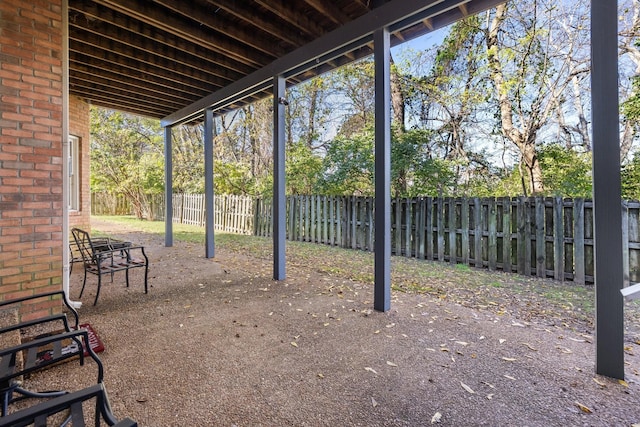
(174, 60)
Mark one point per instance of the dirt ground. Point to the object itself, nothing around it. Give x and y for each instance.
(217, 342)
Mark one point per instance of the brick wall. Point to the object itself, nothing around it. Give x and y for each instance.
(30, 148)
(79, 126)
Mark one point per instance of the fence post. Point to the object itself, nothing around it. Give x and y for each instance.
(558, 239)
(420, 226)
(429, 228)
(453, 250)
(625, 243)
(492, 244)
(541, 258)
(440, 222)
(408, 227)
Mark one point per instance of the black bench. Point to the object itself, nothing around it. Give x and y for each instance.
(107, 257)
(50, 348)
(37, 415)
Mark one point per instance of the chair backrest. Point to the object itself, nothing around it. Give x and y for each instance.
(84, 245)
(37, 415)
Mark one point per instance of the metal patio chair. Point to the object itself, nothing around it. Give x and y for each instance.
(108, 257)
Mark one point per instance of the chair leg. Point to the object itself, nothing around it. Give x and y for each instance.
(98, 291)
(146, 274)
(84, 282)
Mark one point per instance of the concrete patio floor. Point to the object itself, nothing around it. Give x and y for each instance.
(219, 343)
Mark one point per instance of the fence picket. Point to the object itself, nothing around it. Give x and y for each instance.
(492, 239)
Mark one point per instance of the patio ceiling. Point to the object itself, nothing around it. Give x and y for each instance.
(153, 58)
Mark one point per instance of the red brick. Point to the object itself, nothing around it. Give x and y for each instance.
(18, 278)
(10, 271)
(8, 239)
(17, 117)
(15, 295)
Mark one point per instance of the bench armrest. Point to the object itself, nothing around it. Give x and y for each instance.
(57, 344)
(45, 295)
(73, 401)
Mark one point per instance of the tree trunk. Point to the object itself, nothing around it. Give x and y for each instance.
(525, 141)
(397, 99)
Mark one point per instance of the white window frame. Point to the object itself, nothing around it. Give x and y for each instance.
(74, 173)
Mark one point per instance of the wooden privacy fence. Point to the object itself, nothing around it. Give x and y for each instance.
(543, 237)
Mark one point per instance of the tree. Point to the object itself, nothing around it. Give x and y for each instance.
(529, 56)
(126, 156)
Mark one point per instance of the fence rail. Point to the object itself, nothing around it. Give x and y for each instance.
(543, 237)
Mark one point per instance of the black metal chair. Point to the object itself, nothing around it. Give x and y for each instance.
(54, 346)
(108, 257)
(37, 415)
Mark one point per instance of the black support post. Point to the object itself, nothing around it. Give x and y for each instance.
(279, 207)
(607, 203)
(382, 244)
(168, 190)
(208, 184)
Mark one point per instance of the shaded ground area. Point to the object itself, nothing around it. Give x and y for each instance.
(217, 342)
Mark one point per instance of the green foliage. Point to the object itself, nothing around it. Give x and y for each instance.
(126, 155)
(348, 166)
(631, 107)
(565, 172)
(303, 169)
(630, 176)
(232, 178)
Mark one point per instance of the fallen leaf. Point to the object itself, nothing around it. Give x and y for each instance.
(509, 377)
(141, 399)
(373, 402)
(370, 370)
(320, 375)
(623, 383)
(467, 388)
(600, 383)
(391, 364)
(295, 344)
(490, 396)
(437, 417)
(529, 346)
(583, 408)
(502, 340)
(577, 339)
(462, 343)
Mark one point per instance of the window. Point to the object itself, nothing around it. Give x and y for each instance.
(74, 173)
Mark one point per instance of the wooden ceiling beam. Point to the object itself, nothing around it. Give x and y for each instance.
(241, 11)
(330, 10)
(113, 61)
(106, 92)
(170, 63)
(284, 10)
(99, 68)
(158, 17)
(148, 110)
(106, 21)
(107, 80)
(198, 12)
